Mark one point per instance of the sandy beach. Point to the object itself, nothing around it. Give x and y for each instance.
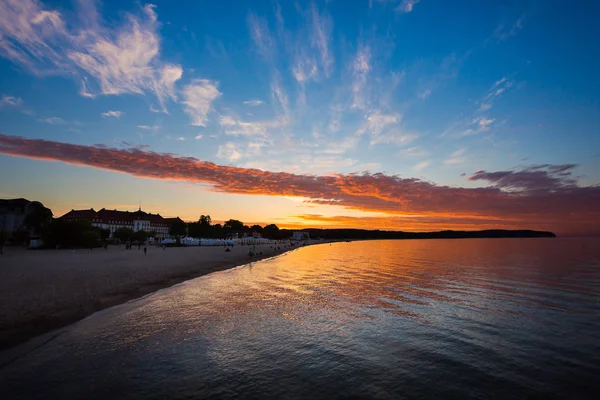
(42, 290)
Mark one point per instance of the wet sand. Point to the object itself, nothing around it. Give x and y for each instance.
(42, 290)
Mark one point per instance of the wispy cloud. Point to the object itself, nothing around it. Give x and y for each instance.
(407, 6)
(457, 157)
(234, 152)
(261, 36)
(395, 136)
(122, 60)
(537, 196)
(422, 165)
(503, 32)
(53, 120)
(236, 127)
(149, 127)
(320, 38)
(361, 68)
(113, 114)
(10, 101)
(198, 97)
(279, 94)
(253, 103)
(414, 152)
(424, 94)
(480, 121)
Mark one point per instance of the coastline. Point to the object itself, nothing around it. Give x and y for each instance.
(44, 290)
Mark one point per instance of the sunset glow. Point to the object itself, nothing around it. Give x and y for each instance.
(376, 116)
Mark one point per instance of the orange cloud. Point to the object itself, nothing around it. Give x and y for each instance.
(545, 196)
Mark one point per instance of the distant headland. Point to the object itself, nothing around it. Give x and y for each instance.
(379, 234)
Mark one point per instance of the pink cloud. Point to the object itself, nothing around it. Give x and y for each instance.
(538, 197)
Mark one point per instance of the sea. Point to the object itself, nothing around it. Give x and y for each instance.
(403, 319)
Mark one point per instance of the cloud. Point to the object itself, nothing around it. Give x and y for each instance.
(320, 38)
(305, 69)
(198, 97)
(545, 178)
(235, 127)
(279, 94)
(53, 120)
(361, 68)
(502, 32)
(480, 121)
(229, 152)
(407, 6)
(198, 137)
(376, 122)
(122, 60)
(424, 94)
(422, 165)
(541, 196)
(149, 127)
(396, 137)
(114, 114)
(414, 152)
(235, 152)
(10, 101)
(261, 36)
(456, 157)
(253, 103)
(484, 107)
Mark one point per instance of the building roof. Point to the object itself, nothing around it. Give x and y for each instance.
(114, 215)
(172, 220)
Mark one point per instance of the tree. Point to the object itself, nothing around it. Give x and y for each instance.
(233, 226)
(70, 234)
(271, 231)
(177, 228)
(123, 234)
(104, 233)
(38, 217)
(139, 236)
(205, 220)
(257, 229)
(90, 239)
(217, 231)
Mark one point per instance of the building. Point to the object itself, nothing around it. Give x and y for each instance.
(115, 219)
(300, 235)
(14, 215)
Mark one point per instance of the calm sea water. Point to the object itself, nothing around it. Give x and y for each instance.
(383, 319)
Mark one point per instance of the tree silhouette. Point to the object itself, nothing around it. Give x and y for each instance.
(271, 231)
(205, 220)
(123, 234)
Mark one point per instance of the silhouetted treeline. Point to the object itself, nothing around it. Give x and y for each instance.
(205, 229)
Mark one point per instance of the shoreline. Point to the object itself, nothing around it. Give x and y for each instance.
(44, 290)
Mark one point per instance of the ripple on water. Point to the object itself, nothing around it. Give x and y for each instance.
(378, 319)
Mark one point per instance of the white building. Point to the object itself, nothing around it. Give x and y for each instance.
(114, 219)
(300, 235)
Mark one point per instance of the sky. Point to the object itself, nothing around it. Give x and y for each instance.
(413, 115)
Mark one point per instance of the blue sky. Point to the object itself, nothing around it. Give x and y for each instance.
(434, 90)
